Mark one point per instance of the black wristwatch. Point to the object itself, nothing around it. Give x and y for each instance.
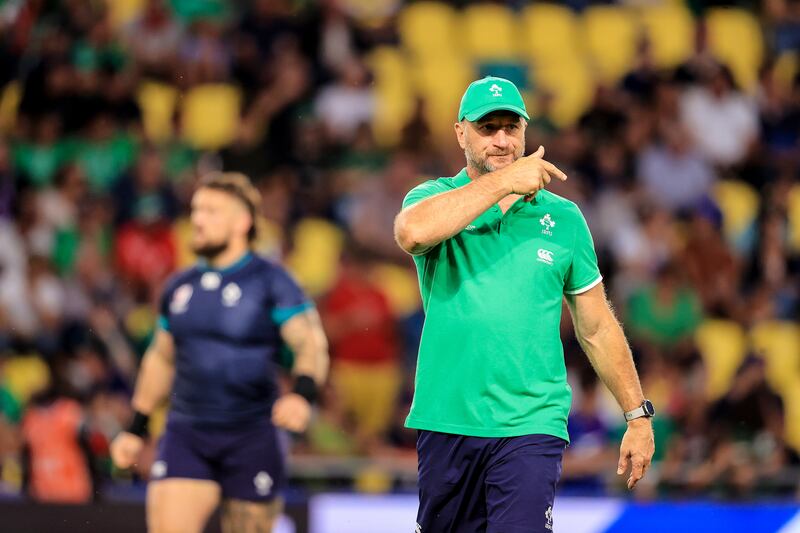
(645, 410)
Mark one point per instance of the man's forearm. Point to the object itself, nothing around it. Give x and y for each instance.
(306, 338)
(154, 382)
(611, 358)
(424, 225)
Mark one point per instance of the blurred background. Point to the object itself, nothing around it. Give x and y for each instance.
(677, 122)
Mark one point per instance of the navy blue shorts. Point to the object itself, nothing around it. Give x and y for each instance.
(492, 485)
(248, 462)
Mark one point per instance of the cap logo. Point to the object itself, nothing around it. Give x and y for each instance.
(496, 90)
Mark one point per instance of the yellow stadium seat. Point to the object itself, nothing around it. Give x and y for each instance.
(778, 342)
(550, 32)
(670, 29)
(9, 103)
(611, 35)
(314, 259)
(441, 86)
(739, 204)
(122, 12)
(429, 30)
(24, 376)
(791, 407)
(157, 101)
(787, 66)
(394, 93)
(722, 345)
(489, 32)
(210, 115)
(735, 38)
(794, 218)
(572, 86)
(400, 287)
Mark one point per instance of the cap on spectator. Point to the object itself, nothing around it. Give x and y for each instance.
(491, 94)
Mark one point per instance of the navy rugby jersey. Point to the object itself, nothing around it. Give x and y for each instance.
(226, 326)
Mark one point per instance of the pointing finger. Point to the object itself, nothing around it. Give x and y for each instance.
(554, 170)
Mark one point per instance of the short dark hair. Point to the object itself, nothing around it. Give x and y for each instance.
(240, 187)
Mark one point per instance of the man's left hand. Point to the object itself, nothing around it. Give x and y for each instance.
(291, 411)
(636, 450)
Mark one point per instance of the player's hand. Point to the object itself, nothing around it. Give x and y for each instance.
(530, 174)
(636, 450)
(125, 449)
(292, 412)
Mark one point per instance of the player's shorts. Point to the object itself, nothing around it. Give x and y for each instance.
(492, 485)
(247, 462)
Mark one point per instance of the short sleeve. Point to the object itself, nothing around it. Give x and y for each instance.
(423, 190)
(288, 299)
(583, 273)
(162, 321)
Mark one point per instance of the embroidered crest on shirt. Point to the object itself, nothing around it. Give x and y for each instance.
(548, 224)
(180, 298)
(210, 281)
(231, 295)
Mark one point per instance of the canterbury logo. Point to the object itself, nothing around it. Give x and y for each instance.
(545, 256)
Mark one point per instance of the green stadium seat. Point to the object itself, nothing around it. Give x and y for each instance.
(670, 29)
(611, 35)
(489, 32)
(550, 33)
(722, 345)
(210, 115)
(735, 38)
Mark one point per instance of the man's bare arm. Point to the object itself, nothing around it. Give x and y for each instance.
(601, 337)
(422, 226)
(303, 333)
(156, 374)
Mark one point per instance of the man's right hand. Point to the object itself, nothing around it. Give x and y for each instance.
(530, 174)
(125, 449)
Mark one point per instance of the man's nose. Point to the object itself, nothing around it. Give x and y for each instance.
(500, 139)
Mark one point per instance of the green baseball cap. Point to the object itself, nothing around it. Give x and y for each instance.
(490, 94)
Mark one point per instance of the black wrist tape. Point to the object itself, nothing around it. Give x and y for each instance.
(306, 387)
(139, 424)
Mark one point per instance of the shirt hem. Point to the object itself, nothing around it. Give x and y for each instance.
(472, 431)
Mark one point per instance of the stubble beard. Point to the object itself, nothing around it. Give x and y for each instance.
(482, 165)
(209, 251)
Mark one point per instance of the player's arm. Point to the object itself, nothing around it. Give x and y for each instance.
(156, 374)
(601, 337)
(421, 226)
(304, 335)
(153, 385)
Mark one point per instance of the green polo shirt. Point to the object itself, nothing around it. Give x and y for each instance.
(491, 363)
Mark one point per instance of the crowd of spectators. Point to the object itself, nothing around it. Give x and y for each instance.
(93, 219)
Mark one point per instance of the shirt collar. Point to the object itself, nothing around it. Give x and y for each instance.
(203, 265)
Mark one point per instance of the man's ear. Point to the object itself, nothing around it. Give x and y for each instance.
(461, 131)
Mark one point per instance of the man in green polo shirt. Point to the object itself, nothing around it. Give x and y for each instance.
(496, 253)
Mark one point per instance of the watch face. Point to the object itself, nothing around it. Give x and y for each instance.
(648, 408)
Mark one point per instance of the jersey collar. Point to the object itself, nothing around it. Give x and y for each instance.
(203, 265)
